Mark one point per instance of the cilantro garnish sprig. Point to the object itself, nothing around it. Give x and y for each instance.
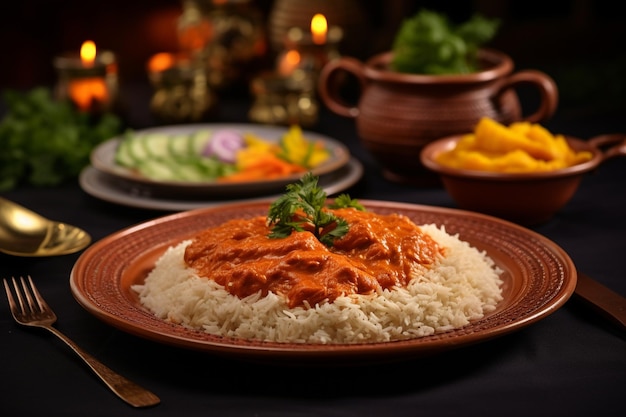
(303, 208)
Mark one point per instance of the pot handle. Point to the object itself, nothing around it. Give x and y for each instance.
(549, 95)
(616, 143)
(329, 85)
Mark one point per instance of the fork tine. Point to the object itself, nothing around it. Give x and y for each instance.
(12, 303)
(41, 303)
(20, 298)
(29, 299)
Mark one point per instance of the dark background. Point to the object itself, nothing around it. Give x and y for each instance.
(580, 43)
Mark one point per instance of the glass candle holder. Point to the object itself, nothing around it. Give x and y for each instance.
(284, 100)
(181, 92)
(92, 86)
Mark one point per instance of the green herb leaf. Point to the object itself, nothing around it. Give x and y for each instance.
(345, 201)
(45, 142)
(302, 208)
(428, 43)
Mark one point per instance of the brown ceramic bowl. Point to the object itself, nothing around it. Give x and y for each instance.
(525, 198)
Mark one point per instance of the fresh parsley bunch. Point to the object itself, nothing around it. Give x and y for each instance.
(44, 142)
(302, 208)
(428, 43)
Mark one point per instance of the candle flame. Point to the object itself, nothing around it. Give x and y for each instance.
(293, 58)
(161, 62)
(319, 28)
(289, 62)
(88, 52)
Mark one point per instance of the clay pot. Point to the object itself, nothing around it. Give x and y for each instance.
(397, 114)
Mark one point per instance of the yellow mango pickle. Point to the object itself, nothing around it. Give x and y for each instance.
(520, 127)
(493, 136)
(521, 147)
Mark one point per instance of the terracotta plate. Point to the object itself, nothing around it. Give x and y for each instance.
(103, 158)
(539, 277)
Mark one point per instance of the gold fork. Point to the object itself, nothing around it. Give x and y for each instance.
(31, 310)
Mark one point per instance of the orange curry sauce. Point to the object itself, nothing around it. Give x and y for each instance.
(378, 252)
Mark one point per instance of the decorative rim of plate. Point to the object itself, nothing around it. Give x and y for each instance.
(539, 277)
(102, 158)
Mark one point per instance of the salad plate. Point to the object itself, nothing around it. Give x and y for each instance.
(538, 278)
(103, 158)
(115, 190)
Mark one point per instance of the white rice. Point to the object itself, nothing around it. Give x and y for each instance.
(462, 287)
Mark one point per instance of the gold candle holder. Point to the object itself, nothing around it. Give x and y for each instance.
(284, 100)
(228, 35)
(87, 79)
(181, 92)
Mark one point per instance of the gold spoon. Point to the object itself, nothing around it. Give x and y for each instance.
(26, 233)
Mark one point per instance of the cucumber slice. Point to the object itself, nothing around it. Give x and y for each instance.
(189, 172)
(179, 146)
(122, 154)
(165, 157)
(157, 145)
(157, 170)
(137, 151)
(198, 141)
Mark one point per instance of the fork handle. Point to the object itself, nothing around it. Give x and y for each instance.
(127, 390)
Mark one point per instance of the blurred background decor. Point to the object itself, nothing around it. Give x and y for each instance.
(350, 15)
(284, 100)
(308, 50)
(578, 42)
(227, 35)
(181, 91)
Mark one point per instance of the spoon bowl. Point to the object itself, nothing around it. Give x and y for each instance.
(26, 233)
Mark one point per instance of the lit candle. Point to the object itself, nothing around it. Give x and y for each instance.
(308, 50)
(89, 91)
(88, 79)
(319, 28)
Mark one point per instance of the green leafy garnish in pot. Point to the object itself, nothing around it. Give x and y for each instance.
(428, 43)
(44, 142)
(303, 208)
